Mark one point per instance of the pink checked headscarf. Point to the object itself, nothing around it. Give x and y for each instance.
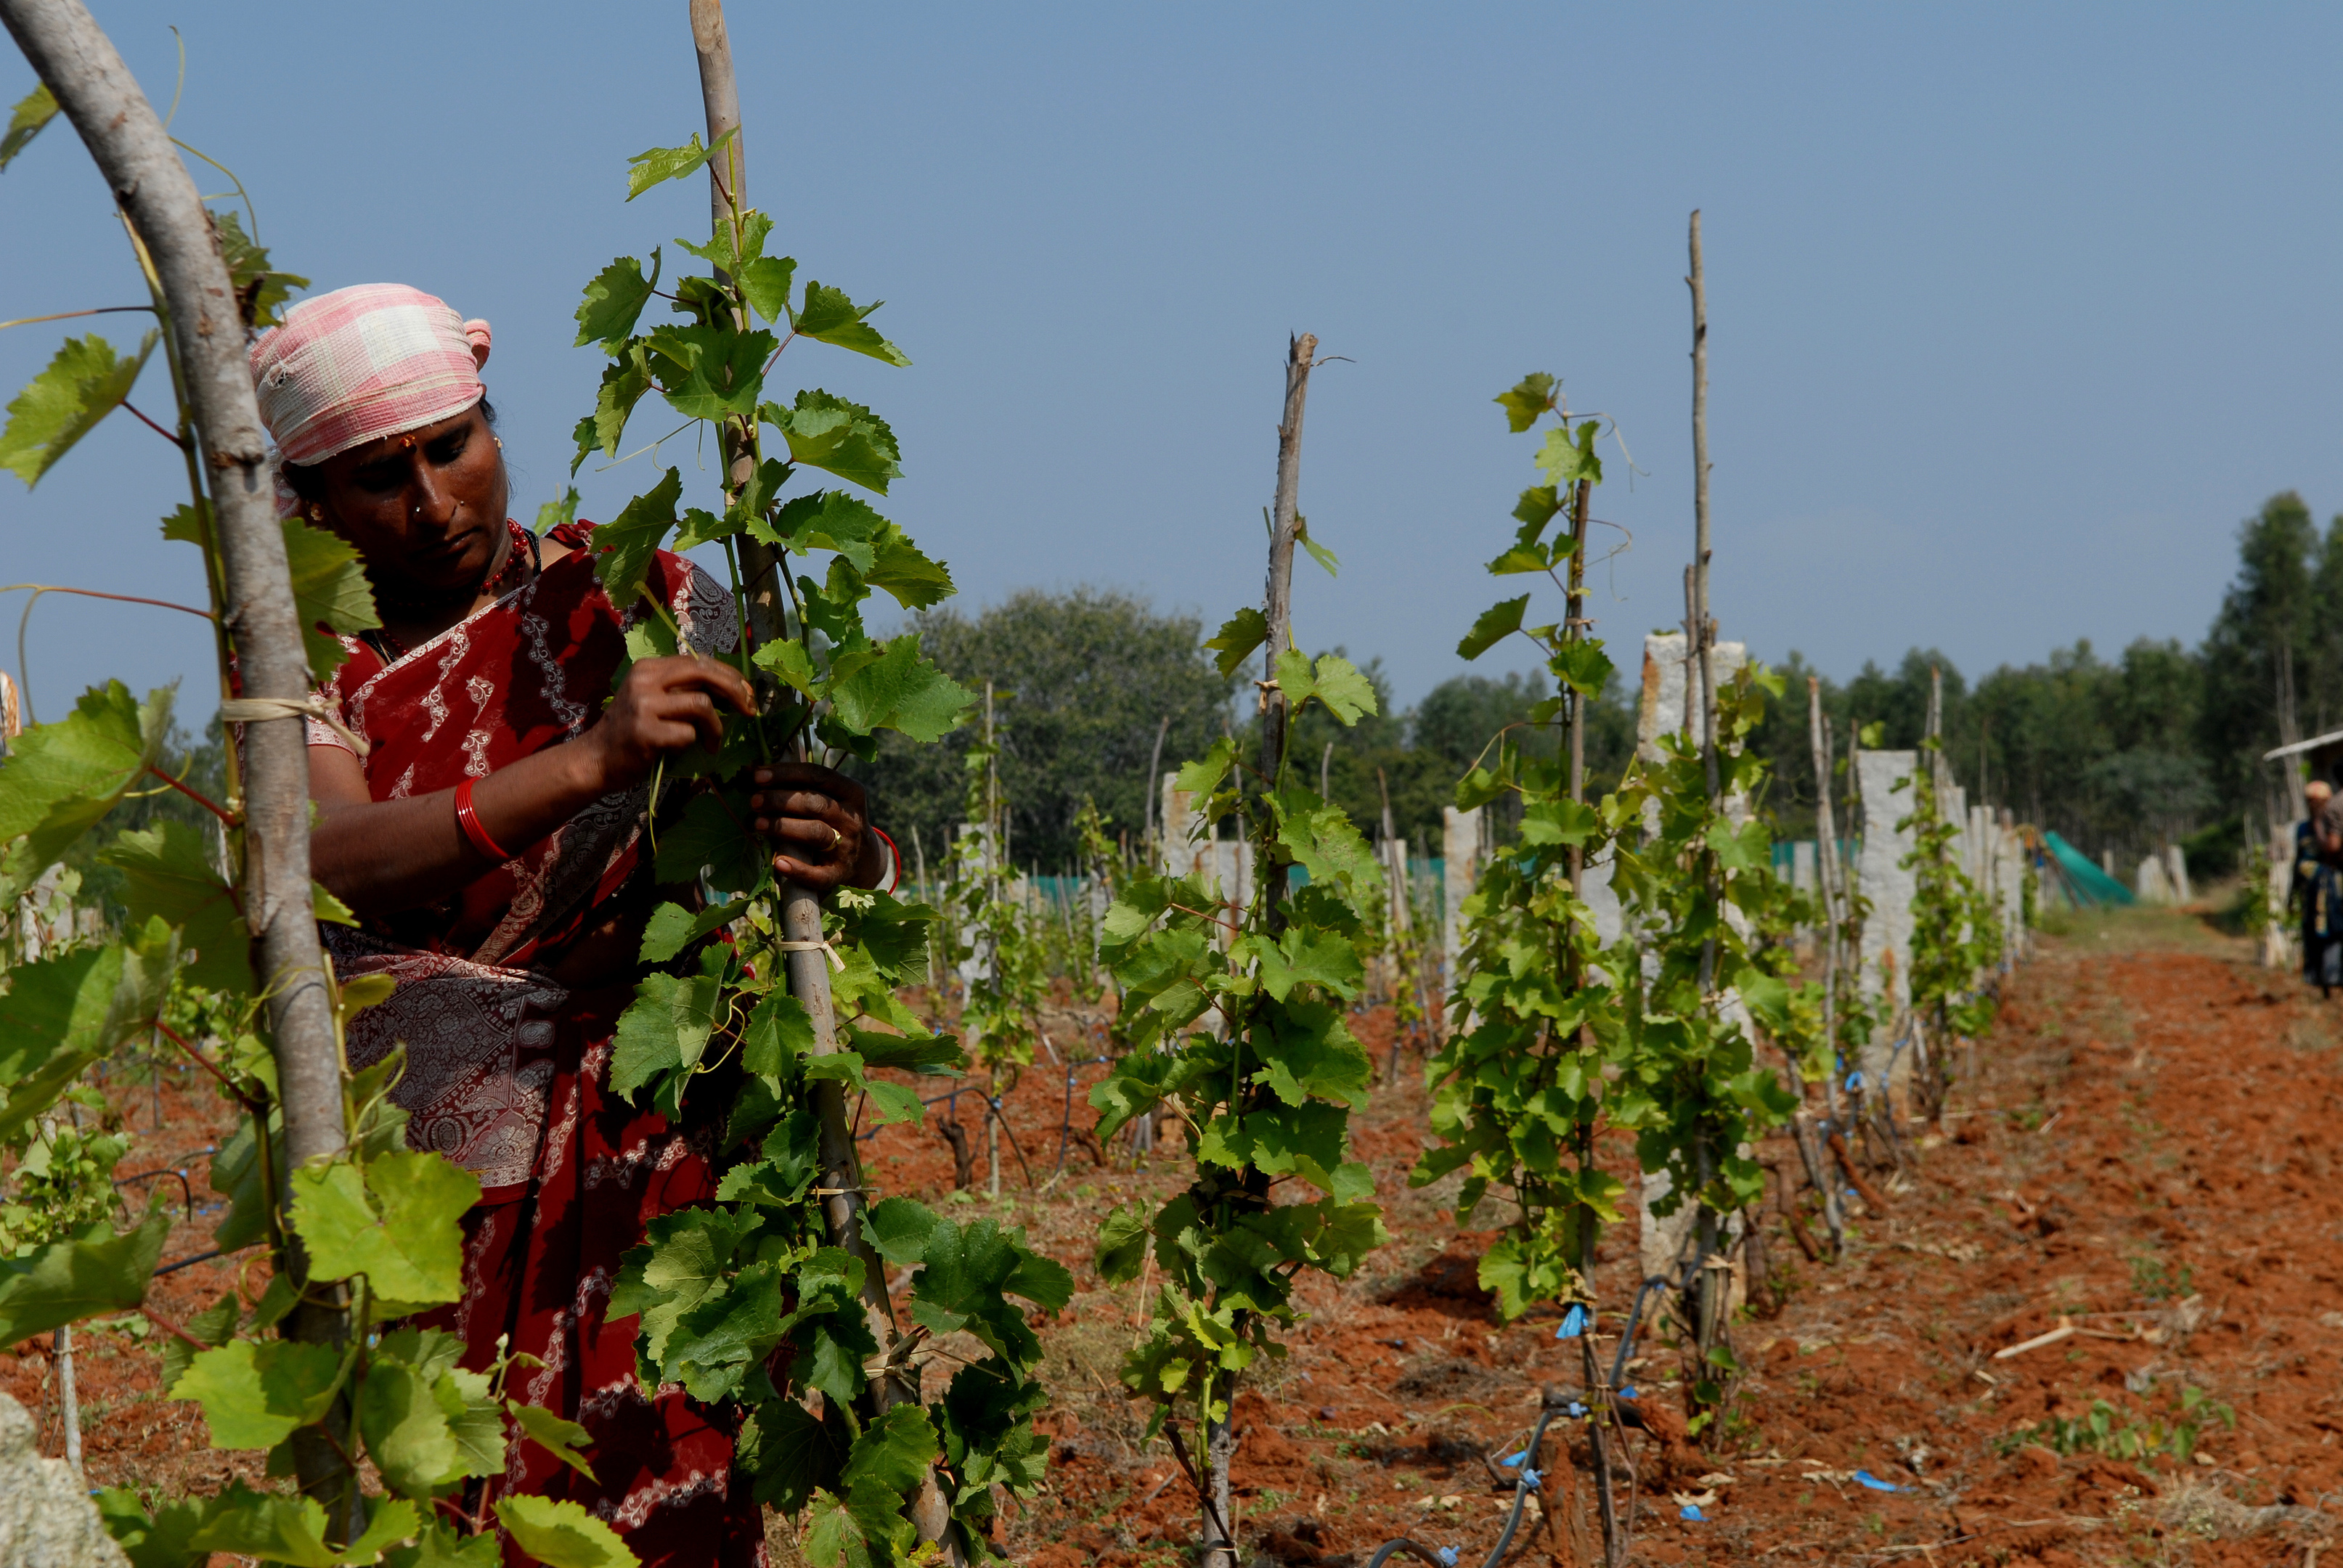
(361, 363)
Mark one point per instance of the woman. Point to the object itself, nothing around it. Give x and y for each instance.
(481, 808)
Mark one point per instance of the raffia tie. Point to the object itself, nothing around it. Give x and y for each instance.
(821, 947)
(253, 710)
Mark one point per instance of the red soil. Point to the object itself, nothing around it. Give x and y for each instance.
(2150, 1141)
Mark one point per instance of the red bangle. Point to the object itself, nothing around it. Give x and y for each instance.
(894, 858)
(469, 819)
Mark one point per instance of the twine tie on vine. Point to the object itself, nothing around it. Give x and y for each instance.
(820, 947)
(253, 710)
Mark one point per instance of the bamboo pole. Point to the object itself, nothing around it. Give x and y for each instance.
(79, 64)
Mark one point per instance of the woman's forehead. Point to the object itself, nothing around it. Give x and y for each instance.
(375, 451)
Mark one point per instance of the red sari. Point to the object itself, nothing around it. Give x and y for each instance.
(506, 1070)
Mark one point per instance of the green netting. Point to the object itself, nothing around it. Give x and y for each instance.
(2084, 882)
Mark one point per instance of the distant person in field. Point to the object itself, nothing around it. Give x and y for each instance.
(481, 806)
(2318, 845)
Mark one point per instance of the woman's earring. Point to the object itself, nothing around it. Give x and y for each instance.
(500, 443)
(317, 512)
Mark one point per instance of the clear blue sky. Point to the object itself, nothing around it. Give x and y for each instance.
(2015, 310)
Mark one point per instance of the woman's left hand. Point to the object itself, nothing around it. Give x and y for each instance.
(817, 819)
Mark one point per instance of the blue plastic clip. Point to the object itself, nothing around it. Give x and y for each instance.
(1573, 1322)
(1855, 1080)
(1873, 1482)
(1448, 1557)
(1530, 1478)
(1691, 1511)
(1626, 1393)
(1516, 1459)
(1574, 1410)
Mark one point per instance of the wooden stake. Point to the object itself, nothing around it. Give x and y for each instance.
(1300, 353)
(79, 64)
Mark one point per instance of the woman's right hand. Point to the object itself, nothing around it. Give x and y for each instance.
(662, 706)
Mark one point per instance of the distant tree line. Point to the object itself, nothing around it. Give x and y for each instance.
(2160, 744)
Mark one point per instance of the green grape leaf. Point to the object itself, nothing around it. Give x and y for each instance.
(829, 317)
(929, 1054)
(765, 281)
(559, 1533)
(33, 111)
(656, 165)
(329, 592)
(837, 435)
(867, 1530)
(405, 1428)
(898, 1229)
(1525, 401)
(666, 1028)
(398, 1223)
(896, 689)
(624, 382)
(708, 372)
(613, 300)
(1314, 1054)
(83, 384)
(168, 875)
(786, 659)
(1202, 776)
(1305, 957)
(914, 579)
(1750, 849)
(270, 1526)
(701, 526)
(829, 520)
(1337, 682)
(967, 1272)
(893, 1451)
(1325, 842)
(780, 1031)
(1318, 552)
(1568, 456)
(66, 1281)
(683, 1256)
(710, 835)
(1237, 636)
(1584, 667)
(59, 780)
(554, 514)
(254, 1395)
(394, 1520)
(259, 288)
(1559, 821)
(1498, 622)
(214, 1325)
(560, 1438)
(1122, 1244)
(1518, 559)
(438, 1546)
(160, 1540)
(792, 1451)
(1534, 511)
(755, 229)
(625, 545)
(672, 927)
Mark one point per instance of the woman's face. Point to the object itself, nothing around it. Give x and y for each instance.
(425, 509)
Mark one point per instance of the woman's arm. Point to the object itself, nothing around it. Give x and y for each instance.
(381, 857)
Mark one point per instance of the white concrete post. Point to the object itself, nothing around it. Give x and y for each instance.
(1887, 950)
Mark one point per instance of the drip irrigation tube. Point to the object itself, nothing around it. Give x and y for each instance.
(1525, 1485)
(180, 1176)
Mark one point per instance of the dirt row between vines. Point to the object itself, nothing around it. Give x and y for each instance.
(2150, 1141)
